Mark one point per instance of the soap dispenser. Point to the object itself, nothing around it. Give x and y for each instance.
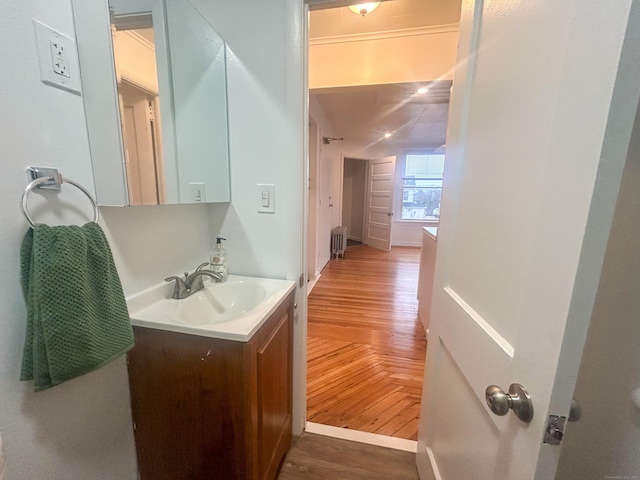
(218, 259)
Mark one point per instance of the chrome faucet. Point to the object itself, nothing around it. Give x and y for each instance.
(191, 284)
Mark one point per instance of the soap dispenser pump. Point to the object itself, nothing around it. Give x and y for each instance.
(218, 259)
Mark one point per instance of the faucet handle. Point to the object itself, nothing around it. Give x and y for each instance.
(179, 289)
(174, 277)
(201, 266)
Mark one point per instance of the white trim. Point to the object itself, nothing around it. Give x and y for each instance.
(362, 437)
(140, 39)
(137, 85)
(424, 222)
(300, 29)
(312, 283)
(482, 323)
(322, 4)
(405, 32)
(406, 244)
(434, 465)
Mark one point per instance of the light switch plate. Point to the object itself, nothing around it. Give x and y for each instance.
(198, 193)
(266, 198)
(58, 57)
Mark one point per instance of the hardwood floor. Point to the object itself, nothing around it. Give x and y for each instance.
(316, 457)
(366, 344)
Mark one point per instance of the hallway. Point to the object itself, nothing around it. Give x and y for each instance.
(366, 344)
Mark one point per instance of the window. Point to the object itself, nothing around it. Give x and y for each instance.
(422, 187)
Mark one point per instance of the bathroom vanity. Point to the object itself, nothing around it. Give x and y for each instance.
(206, 407)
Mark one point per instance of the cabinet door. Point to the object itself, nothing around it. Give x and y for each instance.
(274, 396)
(189, 400)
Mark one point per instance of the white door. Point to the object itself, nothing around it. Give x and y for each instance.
(139, 140)
(380, 203)
(535, 126)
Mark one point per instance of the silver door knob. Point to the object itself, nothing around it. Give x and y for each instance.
(635, 398)
(518, 400)
(575, 412)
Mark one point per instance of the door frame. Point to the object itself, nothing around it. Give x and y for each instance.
(126, 88)
(365, 194)
(312, 194)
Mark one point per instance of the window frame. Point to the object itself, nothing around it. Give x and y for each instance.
(402, 188)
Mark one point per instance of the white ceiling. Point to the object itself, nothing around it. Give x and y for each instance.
(390, 15)
(363, 114)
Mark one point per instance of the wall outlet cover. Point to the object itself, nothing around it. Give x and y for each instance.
(58, 58)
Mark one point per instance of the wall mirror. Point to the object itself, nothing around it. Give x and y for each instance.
(155, 92)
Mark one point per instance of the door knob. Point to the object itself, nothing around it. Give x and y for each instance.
(575, 412)
(635, 398)
(518, 400)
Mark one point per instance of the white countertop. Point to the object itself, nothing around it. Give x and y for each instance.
(153, 308)
(431, 232)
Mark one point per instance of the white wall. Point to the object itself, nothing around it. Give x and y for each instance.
(374, 59)
(329, 183)
(313, 199)
(604, 443)
(329, 205)
(267, 125)
(82, 428)
(135, 59)
(153, 242)
(265, 113)
(403, 233)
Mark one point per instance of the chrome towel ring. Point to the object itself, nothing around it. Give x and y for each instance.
(49, 178)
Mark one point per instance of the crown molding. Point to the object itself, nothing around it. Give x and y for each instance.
(405, 32)
(323, 4)
(140, 39)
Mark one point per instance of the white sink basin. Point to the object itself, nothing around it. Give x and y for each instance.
(215, 304)
(233, 310)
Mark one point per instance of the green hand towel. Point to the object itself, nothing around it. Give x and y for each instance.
(77, 318)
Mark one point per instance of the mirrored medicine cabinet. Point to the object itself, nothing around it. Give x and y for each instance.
(155, 92)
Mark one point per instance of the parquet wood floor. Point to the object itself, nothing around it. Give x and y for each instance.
(366, 344)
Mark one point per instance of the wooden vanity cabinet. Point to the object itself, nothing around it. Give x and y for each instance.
(206, 408)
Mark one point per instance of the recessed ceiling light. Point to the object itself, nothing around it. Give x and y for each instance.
(387, 135)
(422, 90)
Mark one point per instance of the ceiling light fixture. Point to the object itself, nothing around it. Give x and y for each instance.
(387, 135)
(422, 90)
(364, 8)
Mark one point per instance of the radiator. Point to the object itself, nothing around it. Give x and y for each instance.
(338, 241)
